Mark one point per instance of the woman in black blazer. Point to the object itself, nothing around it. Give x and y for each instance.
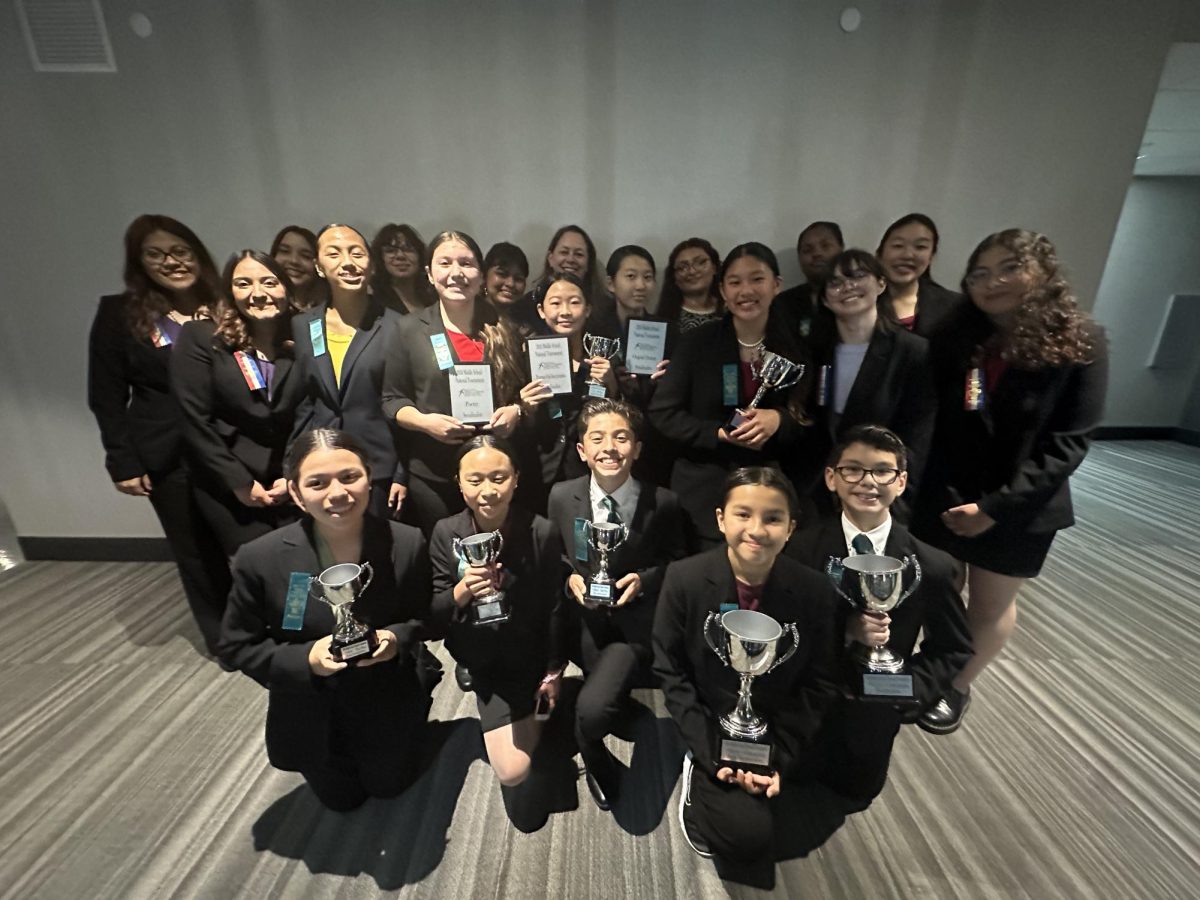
(713, 371)
(1021, 374)
(340, 347)
(169, 279)
(459, 328)
(353, 731)
(232, 378)
(913, 298)
(870, 371)
(723, 810)
(515, 664)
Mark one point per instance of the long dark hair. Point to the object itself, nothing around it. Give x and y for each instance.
(590, 275)
(293, 229)
(231, 326)
(381, 282)
(1049, 328)
(147, 301)
(670, 298)
(321, 439)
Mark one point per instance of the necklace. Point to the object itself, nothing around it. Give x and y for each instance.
(753, 345)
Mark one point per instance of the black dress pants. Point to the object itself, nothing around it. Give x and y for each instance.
(737, 826)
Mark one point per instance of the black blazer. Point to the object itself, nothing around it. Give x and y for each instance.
(894, 388)
(303, 708)
(935, 606)
(129, 393)
(698, 687)
(356, 404)
(688, 407)
(656, 537)
(1016, 455)
(798, 306)
(411, 377)
(934, 304)
(233, 436)
(532, 641)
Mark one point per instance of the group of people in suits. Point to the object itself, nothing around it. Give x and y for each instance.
(295, 413)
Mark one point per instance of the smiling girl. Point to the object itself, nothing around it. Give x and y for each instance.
(913, 298)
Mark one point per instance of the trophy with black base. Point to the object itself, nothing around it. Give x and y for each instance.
(339, 587)
(604, 538)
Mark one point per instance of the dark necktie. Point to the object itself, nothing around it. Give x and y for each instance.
(860, 543)
(610, 507)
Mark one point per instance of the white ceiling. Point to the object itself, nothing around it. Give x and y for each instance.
(1171, 145)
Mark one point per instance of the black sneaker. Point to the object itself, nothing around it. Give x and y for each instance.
(946, 715)
(462, 675)
(690, 833)
(602, 775)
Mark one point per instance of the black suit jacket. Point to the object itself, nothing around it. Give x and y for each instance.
(935, 606)
(698, 687)
(129, 393)
(1016, 455)
(355, 405)
(894, 388)
(934, 304)
(798, 306)
(533, 640)
(233, 436)
(656, 538)
(303, 708)
(411, 377)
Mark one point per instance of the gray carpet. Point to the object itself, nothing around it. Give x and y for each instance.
(132, 767)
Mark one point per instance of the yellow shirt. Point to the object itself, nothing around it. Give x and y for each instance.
(338, 345)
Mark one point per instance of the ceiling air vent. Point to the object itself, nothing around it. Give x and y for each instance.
(66, 35)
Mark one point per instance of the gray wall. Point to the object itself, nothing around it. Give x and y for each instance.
(1155, 253)
(643, 122)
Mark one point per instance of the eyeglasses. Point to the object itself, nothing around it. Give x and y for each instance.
(698, 265)
(855, 474)
(393, 249)
(837, 284)
(1003, 275)
(179, 252)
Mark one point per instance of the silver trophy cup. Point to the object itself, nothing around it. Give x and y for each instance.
(595, 345)
(604, 538)
(873, 583)
(774, 372)
(339, 587)
(483, 549)
(749, 643)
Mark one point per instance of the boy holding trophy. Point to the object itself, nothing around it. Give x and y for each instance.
(744, 648)
(877, 565)
(618, 534)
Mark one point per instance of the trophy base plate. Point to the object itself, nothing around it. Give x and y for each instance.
(887, 687)
(749, 756)
(351, 651)
(601, 592)
(489, 613)
(597, 390)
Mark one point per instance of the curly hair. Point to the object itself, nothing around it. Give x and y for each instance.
(231, 325)
(1049, 329)
(147, 301)
(381, 280)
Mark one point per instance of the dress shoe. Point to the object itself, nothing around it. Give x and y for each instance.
(602, 776)
(462, 675)
(947, 714)
(691, 833)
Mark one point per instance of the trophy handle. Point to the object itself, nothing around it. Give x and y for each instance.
(500, 541)
(624, 532)
(916, 582)
(370, 575)
(589, 343)
(789, 628)
(456, 546)
(832, 565)
(717, 647)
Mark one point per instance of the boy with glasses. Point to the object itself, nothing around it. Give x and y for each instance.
(867, 472)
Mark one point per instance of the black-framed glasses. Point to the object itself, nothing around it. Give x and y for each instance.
(179, 252)
(855, 474)
(393, 249)
(839, 283)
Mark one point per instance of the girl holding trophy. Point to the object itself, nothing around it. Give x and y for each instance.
(742, 609)
(498, 575)
(352, 725)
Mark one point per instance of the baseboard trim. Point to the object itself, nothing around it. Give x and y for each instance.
(1148, 433)
(96, 549)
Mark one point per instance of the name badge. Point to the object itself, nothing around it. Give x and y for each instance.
(160, 338)
(297, 601)
(316, 334)
(727, 607)
(824, 385)
(555, 409)
(974, 392)
(729, 384)
(581, 540)
(441, 349)
(250, 371)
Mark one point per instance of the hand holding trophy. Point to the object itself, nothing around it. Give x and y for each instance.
(774, 372)
(339, 587)
(483, 550)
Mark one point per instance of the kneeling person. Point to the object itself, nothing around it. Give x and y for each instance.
(867, 472)
(612, 633)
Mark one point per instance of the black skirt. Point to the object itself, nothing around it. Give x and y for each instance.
(1004, 550)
